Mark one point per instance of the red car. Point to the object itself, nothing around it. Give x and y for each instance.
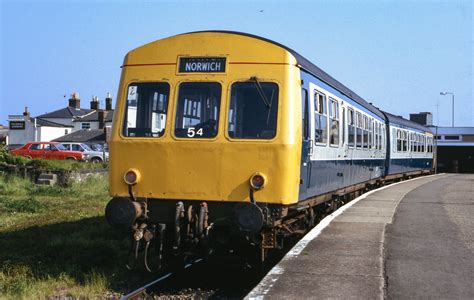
(47, 150)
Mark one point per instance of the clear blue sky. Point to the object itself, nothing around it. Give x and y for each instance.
(397, 54)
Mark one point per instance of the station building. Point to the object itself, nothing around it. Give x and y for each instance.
(53, 125)
(455, 149)
(454, 145)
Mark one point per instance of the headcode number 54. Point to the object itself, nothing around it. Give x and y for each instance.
(192, 132)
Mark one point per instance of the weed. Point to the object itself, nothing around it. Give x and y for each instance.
(54, 242)
(28, 205)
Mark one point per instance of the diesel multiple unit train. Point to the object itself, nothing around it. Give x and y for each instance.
(222, 139)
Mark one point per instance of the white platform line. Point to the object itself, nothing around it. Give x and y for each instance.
(269, 280)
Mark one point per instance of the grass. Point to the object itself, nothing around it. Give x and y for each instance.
(55, 242)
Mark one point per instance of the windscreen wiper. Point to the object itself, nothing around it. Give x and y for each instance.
(261, 92)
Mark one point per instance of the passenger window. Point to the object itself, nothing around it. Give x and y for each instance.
(334, 122)
(253, 110)
(344, 125)
(320, 115)
(405, 141)
(379, 144)
(360, 127)
(145, 113)
(197, 112)
(371, 133)
(399, 140)
(376, 136)
(351, 127)
(366, 132)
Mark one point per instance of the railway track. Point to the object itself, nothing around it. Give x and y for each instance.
(147, 289)
(213, 278)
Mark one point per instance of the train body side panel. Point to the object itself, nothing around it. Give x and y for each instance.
(408, 161)
(333, 168)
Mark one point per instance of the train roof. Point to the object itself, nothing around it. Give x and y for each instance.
(311, 68)
(404, 122)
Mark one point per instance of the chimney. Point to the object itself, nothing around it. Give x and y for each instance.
(95, 103)
(26, 113)
(102, 116)
(74, 101)
(108, 102)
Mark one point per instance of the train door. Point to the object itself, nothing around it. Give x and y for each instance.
(307, 145)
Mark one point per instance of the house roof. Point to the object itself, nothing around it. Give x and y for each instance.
(67, 112)
(84, 135)
(94, 117)
(46, 123)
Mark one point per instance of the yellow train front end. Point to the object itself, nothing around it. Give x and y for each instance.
(206, 135)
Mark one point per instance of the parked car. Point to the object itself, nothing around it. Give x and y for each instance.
(96, 146)
(47, 150)
(92, 156)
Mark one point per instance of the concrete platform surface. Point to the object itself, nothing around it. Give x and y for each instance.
(413, 239)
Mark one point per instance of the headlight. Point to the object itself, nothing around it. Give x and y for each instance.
(257, 181)
(131, 177)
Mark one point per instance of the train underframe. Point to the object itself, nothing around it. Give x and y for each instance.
(169, 233)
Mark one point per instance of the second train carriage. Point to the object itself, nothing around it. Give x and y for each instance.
(220, 134)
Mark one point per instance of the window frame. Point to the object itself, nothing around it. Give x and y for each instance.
(351, 121)
(333, 115)
(124, 115)
(173, 114)
(365, 132)
(226, 116)
(359, 126)
(316, 94)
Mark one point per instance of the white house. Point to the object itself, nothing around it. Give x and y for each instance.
(52, 125)
(24, 129)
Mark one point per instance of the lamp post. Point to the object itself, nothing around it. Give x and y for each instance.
(452, 94)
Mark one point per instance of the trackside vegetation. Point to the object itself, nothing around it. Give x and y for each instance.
(66, 165)
(55, 242)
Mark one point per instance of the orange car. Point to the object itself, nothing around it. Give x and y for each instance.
(47, 150)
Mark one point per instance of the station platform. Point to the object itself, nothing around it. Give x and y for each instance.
(413, 239)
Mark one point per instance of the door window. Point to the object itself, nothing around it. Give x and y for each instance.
(320, 118)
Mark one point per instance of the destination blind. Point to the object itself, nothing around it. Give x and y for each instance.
(202, 64)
